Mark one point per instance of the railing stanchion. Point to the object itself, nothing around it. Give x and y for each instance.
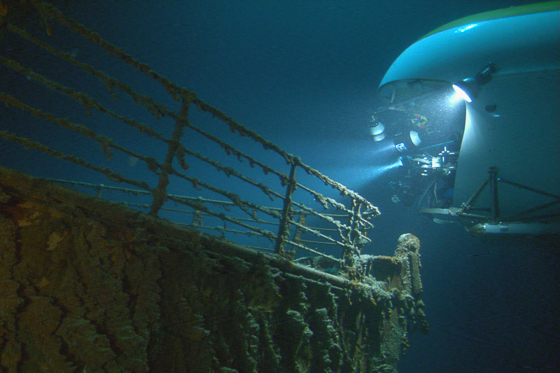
(284, 228)
(245, 214)
(160, 193)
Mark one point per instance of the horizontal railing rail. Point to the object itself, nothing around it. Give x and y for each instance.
(173, 156)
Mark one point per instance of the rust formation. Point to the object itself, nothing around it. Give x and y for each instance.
(173, 164)
(88, 285)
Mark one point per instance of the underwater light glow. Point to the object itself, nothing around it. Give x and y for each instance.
(456, 97)
(378, 171)
(385, 158)
(469, 88)
(460, 94)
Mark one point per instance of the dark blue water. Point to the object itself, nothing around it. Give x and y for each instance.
(304, 74)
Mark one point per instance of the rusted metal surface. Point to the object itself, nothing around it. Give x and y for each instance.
(89, 285)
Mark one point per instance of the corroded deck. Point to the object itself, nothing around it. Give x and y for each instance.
(88, 285)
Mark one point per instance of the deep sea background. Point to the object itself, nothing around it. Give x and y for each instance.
(304, 74)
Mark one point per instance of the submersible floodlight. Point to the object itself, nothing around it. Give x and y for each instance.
(469, 88)
(407, 141)
(377, 131)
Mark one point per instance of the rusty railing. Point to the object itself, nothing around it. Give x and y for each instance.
(171, 171)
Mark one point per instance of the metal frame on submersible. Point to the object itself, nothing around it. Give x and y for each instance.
(519, 223)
